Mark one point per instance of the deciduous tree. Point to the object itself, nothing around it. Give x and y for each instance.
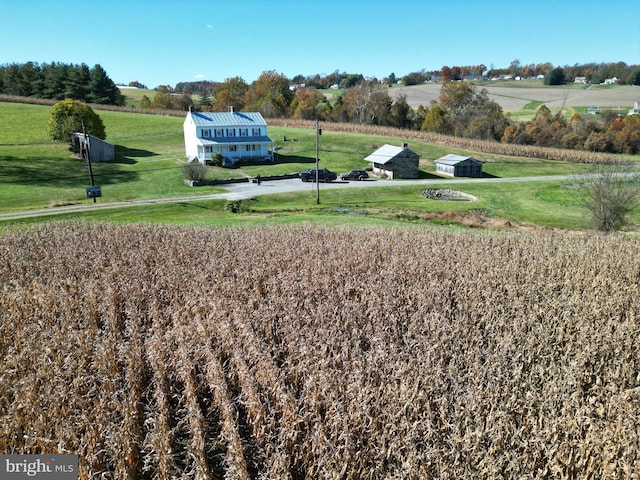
(230, 93)
(368, 103)
(145, 102)
(270, 95)
(70, 116)
(609, 194)
(435, 121)
(471, 113)
(163, 99)
(307, 101)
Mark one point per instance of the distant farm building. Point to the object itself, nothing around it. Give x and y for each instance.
(395, 162)
(582, 80)
(458, 166)
(94, 148)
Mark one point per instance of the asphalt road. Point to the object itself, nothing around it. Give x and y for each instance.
(240, 191)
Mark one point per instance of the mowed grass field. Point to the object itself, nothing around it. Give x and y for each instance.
(37, 173)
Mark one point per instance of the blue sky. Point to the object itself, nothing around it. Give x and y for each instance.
(163, 42)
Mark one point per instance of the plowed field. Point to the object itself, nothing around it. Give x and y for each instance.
(514, 98)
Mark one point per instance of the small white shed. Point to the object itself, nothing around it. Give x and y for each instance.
(88, 146)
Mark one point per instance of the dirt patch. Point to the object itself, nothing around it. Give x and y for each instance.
(479, 219)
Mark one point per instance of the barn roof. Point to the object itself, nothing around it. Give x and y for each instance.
(386, 153)
(452, 159)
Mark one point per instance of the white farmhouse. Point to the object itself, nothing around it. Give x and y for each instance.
(237, 136)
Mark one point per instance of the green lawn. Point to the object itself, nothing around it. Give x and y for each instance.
(134, 95)
(37, 173)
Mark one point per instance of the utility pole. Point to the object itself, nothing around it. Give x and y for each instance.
(88, 150)
(318, 133)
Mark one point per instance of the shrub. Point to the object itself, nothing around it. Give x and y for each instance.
(195, 171)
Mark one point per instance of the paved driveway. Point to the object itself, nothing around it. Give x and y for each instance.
(244, 190)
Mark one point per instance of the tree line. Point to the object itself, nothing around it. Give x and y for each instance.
(57, 81)
(463, 110)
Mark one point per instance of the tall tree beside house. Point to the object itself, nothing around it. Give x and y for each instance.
(183, 102)
(206, 100)
(230, 93)
(70, 116)
(270, 95)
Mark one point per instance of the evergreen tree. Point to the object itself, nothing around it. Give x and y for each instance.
(555, 77)
(102, 90)
(55, 80)
(78, 83)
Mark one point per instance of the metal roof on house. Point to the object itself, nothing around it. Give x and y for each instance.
(385, 154)
(227, 119)
(234, 140)
(452, 159)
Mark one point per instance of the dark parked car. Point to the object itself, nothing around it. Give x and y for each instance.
(354, 175)
(324, 175)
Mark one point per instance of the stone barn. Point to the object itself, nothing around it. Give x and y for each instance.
(459, 166)
(395, 162)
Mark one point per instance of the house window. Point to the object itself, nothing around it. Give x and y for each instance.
(233, 148)
(231, 132)
(244, 132)
(256, 132)
(250, 148)
(219, 132)
(206, 132)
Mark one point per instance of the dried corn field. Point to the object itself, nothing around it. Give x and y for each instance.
(277, 352)
(450, 141)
